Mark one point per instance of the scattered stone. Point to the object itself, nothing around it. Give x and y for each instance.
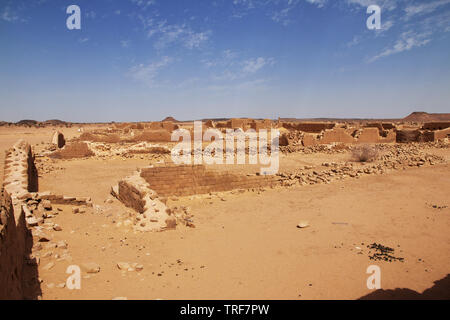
(32, 221)
(47, 205)
(303, 224)
(49, 265)
(123, 265)
(91, 267)
(57, 227)
(62, 244)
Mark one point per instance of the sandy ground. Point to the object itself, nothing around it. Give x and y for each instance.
(248, 246)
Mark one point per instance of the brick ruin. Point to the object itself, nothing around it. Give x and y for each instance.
(148, 189)
(185, 180)
(306, 133)
(17, 221)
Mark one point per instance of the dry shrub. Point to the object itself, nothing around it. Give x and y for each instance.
(364, 153)
(73, 150)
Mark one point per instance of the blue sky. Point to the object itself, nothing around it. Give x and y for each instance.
(143, 60)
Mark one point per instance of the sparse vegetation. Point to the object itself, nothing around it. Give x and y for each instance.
(364, 153)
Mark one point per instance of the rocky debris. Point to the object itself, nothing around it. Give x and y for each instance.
(47, 205)
(90, 267)
(303, 224)
(62, 244)
(392, 157)
(49, 266)
(183, 215)
(435, 206)
(382, 253)
(125, 266)
(334, 148)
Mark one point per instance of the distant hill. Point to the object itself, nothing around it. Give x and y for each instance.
(420, 116)
(171, 119)
(27, 123)
(54, 122)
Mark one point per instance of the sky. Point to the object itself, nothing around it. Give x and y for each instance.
(143, 60)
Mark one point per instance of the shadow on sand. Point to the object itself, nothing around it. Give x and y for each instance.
(440, 291)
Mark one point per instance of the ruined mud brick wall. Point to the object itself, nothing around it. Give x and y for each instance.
(166, 125)
(312, 127)
(13, 234)
(196, 179)
(161, 135)
(100, 137)
(436, 125)
(73, 150)
(372, 135)
(210, 124)
(309, 140)
(261, 124)
(153, 214)
(441, 134)
(20, 178)
(337, 135)
(382, 126)
(238, 123)
(20, 174)
(404, 136)
(58, 139)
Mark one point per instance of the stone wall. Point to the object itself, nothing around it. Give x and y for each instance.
(13, 233)
(197, 179)
(436, 125)
(20, 174)
(20, 179)
(151, 212)
(441, 134)
(160, 135)
(313, 127)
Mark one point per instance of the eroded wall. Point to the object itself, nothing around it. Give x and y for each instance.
(197, 179)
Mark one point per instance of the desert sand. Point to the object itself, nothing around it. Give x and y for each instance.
(243, 243)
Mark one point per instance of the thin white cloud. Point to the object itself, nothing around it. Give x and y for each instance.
(8, 15)
(143, 3)
(147, 74)
(355, 41)
(235, 70)
(408, 40)
(253, 65)
(384, 4)
(318, 3)
(91, 14)
(125, 43)
(169, 34)
(83, 40)
(424, 8)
